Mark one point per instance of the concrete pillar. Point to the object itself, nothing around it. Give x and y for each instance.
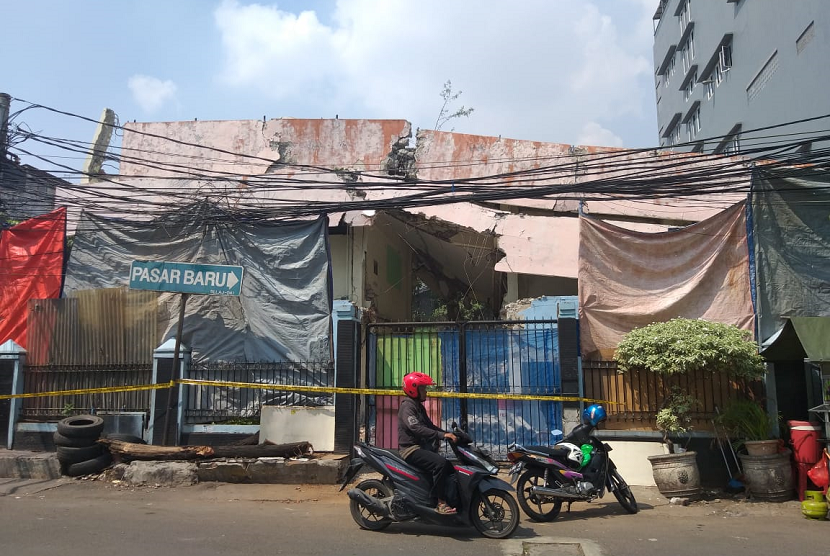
(159, 407)
(13, 358)
(512, 293)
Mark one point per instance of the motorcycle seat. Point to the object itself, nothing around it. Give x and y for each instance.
(547, 451)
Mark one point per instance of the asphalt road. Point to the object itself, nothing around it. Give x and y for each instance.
(79, 518)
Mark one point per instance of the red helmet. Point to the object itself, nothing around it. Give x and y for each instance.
(412, 381)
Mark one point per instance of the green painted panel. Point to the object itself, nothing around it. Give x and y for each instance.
(402, 354)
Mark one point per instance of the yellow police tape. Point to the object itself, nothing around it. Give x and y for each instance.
(160, 386)
(298, 388)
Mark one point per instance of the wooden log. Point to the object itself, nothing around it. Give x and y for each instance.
(290, 450)
(149, 452)
(131, 451)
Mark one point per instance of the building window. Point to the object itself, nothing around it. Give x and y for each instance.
(723, 65)
(733, 146)
(690, 86)
(693, 124)
(710, 88)
(675, 137)
(669, 71)
(685, 15)
(688, 52)
(725, 57)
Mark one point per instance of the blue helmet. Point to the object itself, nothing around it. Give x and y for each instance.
(594, 414)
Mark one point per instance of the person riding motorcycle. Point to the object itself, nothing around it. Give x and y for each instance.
(419, 437)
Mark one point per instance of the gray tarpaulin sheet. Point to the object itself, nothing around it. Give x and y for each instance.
(630, 279)
(792, 246)
(283, 312)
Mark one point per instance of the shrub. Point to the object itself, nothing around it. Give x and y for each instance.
(687, 345)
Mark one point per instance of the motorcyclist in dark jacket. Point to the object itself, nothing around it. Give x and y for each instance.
(419, 437)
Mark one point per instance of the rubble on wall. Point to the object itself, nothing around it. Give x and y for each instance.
(513, 310)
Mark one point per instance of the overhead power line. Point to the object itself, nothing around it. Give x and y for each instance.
(301, 191)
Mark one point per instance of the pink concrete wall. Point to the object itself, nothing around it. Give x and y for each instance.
(328, 143)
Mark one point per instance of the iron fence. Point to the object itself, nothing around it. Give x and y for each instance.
(232, 405)
(83, 377)
(483, 357)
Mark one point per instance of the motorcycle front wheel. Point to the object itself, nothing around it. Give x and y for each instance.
(622, 492)
(537, 508)
(363, 516)
(494, 513)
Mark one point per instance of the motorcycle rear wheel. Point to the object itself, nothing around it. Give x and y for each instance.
(504, 518)
(536, 508)
(363, 516)
(623, 492)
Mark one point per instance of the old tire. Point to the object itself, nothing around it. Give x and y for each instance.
(126, 438)
(89, 466)
(68, 455)
(73, 441)
(81, 426)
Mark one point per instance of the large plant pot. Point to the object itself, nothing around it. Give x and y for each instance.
(769, 477)
(676, 474)
(761, 447)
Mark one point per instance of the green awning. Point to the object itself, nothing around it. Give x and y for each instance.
(799, 338)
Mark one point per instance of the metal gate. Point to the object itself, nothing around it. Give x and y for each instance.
(482, 358)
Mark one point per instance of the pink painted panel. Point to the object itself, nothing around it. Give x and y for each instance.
(386, 422)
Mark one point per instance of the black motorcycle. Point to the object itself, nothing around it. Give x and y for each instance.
(403, 491)
(547, 478)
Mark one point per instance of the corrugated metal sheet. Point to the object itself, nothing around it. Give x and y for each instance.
(114, 326)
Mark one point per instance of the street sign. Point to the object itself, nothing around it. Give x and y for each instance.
(204, 279)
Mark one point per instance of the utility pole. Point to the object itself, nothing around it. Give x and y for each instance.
(5, 103)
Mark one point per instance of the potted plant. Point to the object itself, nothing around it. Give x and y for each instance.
(766, 464)
(676, 473)
(751, 427)
(674, 348)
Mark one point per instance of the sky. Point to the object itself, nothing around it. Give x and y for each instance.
(563, 71)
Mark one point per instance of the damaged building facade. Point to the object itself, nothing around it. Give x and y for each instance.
(397, 210)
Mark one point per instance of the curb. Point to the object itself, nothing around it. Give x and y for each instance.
(29, 465)
(325, 469)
